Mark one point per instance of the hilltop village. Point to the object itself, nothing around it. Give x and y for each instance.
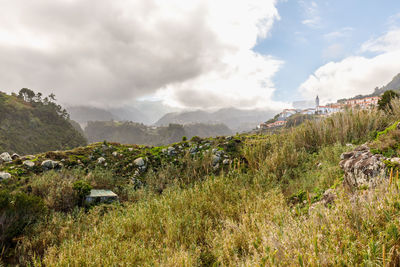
(281, 119)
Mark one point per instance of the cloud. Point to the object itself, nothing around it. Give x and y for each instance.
(342, 33)
(333, 51)
(356, 74)
(192, 53)
(311, 13)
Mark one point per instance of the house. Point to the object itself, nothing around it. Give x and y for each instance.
(101, 196)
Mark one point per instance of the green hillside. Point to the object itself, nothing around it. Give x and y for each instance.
(30, 124)
(138, 133)
(247, 200)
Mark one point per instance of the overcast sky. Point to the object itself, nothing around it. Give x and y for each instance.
(198, 53)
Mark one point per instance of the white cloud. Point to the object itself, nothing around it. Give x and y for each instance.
(344, 32)
(311, 14)
(357, 74)
(386, 43)
(102, 52)
(333, 51)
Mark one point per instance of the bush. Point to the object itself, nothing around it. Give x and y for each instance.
(17, 212)
(82, 189)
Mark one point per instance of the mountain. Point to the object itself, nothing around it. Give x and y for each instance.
(138, 133)
(236, 119)
(31, 125)
(394, 84)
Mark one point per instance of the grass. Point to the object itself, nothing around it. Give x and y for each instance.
(261, 210)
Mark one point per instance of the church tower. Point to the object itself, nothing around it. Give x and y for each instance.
(317, 104)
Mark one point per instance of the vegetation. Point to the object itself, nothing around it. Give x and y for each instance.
(32, 124)
(261, 209)
(386, 99)
(138, 133)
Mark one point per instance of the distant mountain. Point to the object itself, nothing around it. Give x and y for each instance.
(137, 133)
(394, 85)
(146, 112)
(30, 125)
(236, 119)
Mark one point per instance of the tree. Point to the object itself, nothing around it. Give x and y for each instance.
(385, 102)
(26, 94)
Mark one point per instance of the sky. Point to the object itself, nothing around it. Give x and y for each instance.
(198, 54)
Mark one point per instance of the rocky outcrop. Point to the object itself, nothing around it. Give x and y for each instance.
(5, 157)
(362, 168)
(4, 176)
(50, 164)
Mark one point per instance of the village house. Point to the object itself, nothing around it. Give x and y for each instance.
(100, 196)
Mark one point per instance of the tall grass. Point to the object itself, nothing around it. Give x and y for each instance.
(241, 217)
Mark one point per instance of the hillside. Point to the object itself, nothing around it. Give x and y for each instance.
(137, 133)
(236, 119)
(324, 193)
(29, 125)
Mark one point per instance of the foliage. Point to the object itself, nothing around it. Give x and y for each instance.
(17, 211)
(260, 209)
(30, 124)
(385, 102)
(82, 189)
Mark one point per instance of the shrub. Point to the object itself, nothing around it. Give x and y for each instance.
(17, 212)
(82, 189)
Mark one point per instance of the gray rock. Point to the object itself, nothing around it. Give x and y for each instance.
(328, 197)
(5, 157)
(15, 156)
(226, 162)
(395, 160)
(101, 160)
(115, 154)
(171, 151)
(28, 163)
(139, 162)
(193, 150)
(50, 164)
(130, 149)
(215, 160)
(4, 176)
(362, 168)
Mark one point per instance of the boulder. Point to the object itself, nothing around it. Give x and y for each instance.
(5, 157)
(215, 160)
(15, 156)
(115, 154)
(4, 176)
(328, 197)
(171, 151)
(139, 162)
(226, 162)
(362, 168)
(50, 164)
(28, 163)
(130, 149)
(101, 160)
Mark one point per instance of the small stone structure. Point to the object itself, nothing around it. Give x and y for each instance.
(362, 168)
(100, 196)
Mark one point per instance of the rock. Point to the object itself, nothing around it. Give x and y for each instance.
(50, 164)
(226, 162)
(215, 160)
(139, 162)
(115, 154)
(216, 167)
(5, 157)
(15, 156)
(395, 160)
(362, 168)
(193, 150)
(328, 197)
(28, 163)
(130, 149)
(229, 138)
(171, 151)
(214, 150)
(101, 160)
(4, 176)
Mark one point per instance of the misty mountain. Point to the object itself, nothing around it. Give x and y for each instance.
(146, 112)
(236, 119)
(138, 133)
